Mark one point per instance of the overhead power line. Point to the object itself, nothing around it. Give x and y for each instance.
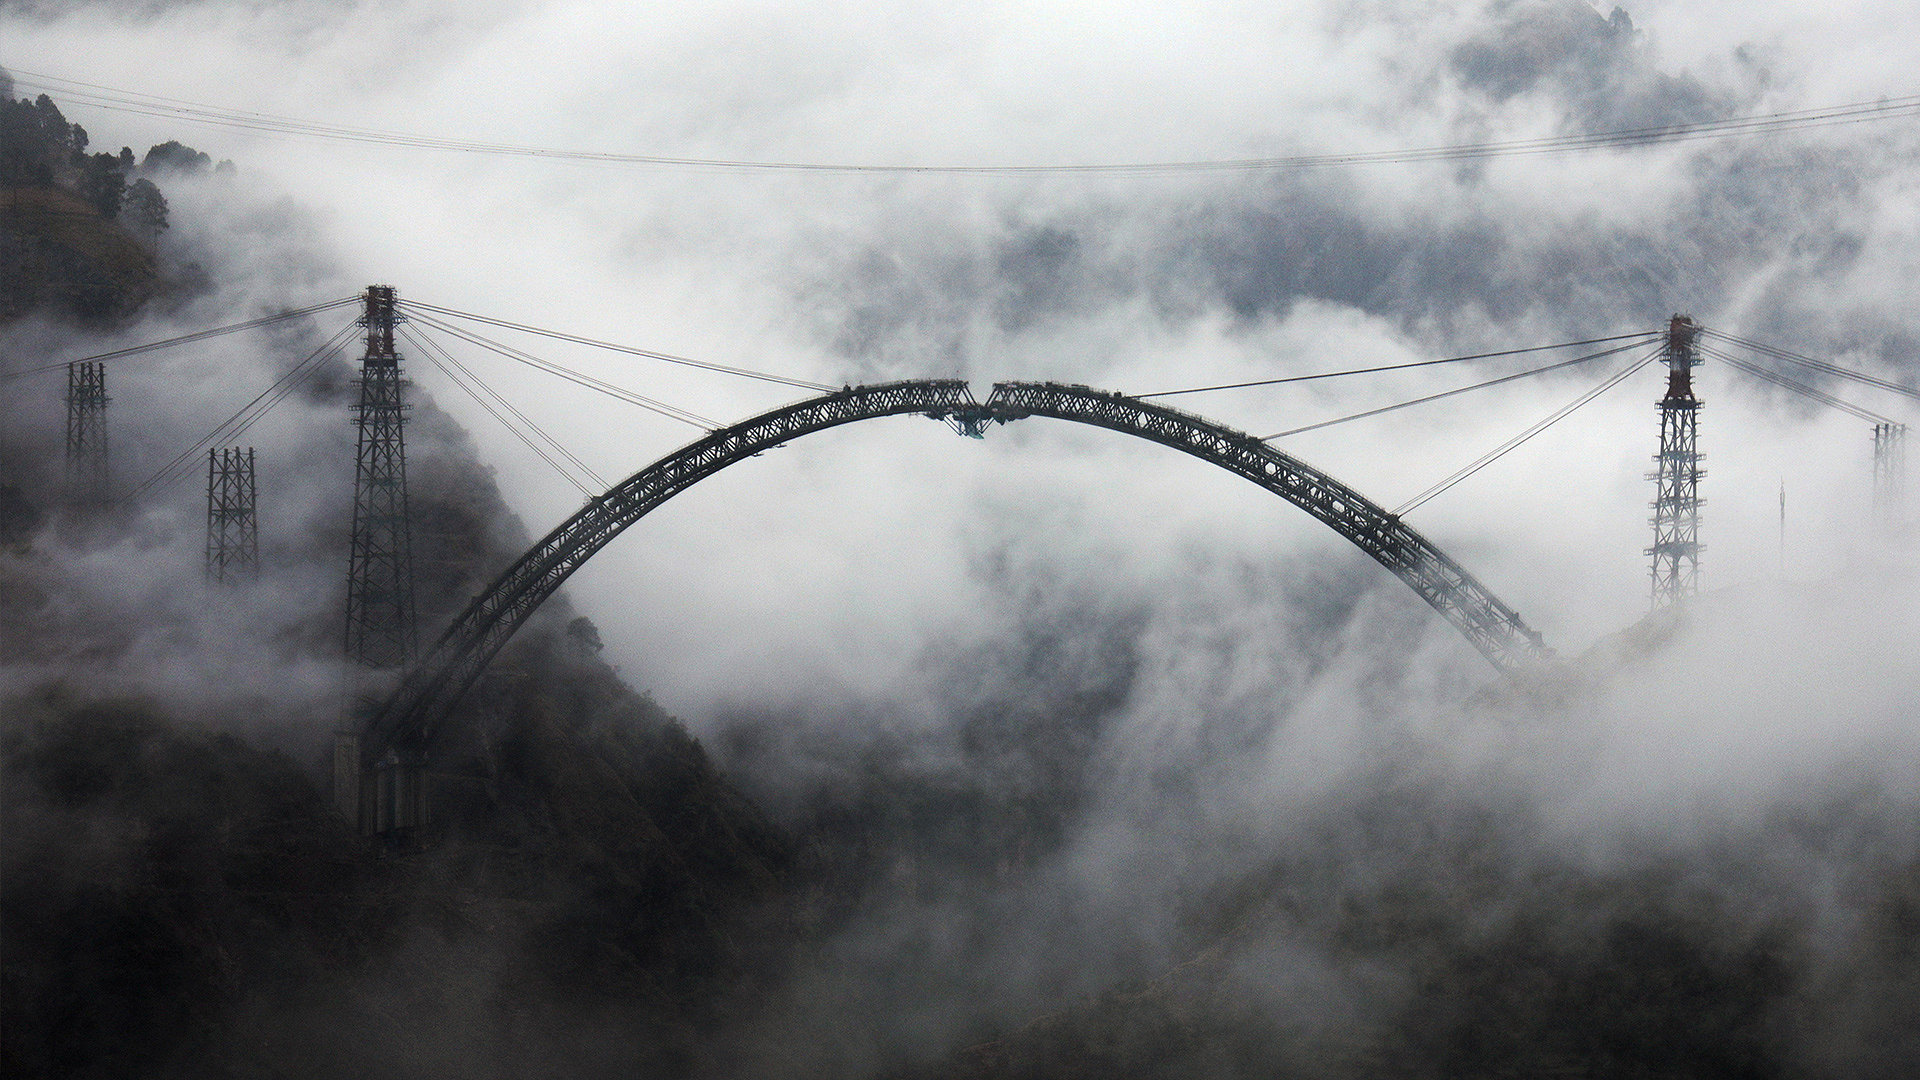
(106, 97)
(1637, 342)
(1641, 336)
(1514, 443)
(186, 339)
(746, 373)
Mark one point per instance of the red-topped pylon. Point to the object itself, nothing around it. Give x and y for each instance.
(1676, 504)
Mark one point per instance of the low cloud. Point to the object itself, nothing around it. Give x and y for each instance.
(1071, 709)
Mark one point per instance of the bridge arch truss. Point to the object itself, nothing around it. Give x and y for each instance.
(408, 720)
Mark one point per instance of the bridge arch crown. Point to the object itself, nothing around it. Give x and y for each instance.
(410, 717)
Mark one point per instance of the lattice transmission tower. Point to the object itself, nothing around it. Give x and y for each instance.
(87, 430)
(233, 524)
(381, 631)
(1890, 477)
(1676, 504)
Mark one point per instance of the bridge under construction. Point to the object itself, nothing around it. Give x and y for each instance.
(405, 698)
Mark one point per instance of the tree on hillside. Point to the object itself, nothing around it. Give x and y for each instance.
(36, 143)
(55, 133)
(144, 209)
(20, 146)
(175, 155)
(102, 184)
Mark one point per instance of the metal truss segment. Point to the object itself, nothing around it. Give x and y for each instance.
(1494, 628)
(450, 667)
(411, 717)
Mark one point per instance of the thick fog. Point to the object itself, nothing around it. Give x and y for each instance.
(1218, 678)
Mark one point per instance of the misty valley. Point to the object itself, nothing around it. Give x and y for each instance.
(1049, 752)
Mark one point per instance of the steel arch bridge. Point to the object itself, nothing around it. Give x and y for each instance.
(405, 725)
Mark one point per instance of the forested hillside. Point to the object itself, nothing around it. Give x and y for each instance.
(79, 231)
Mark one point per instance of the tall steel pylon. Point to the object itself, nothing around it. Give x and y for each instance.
(381, 631)
(1676, 504)
(1890, 477)
(87, 430)
(233, 525)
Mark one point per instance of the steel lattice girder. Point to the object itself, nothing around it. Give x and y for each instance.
(1494, 628)
(409, 718)
(457, 659)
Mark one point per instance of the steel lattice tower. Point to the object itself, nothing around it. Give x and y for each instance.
(87, 430)
(1889, 476)
(233, 526)
(380, 609)
(1676, 505)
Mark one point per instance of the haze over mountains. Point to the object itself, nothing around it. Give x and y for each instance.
(1042, 756)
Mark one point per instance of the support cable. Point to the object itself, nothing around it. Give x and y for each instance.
(1514, 443)
(317, 364)
(1458, 390)
(236, 425)
(1797, 387)
(1645, 335)
(469, 383)
(619, 393)
(1825, 366)
(186, 339)
(584, 489)
(745, 373)
(105, 97)
(427, 343)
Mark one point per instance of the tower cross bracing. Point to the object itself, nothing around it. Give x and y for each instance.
(233, 523)
(381, 619)
(1677, 473)
(87, 430)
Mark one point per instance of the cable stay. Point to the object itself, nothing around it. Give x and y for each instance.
(431, 348)
(1638, 341)
(477, 389)
(746, 373)
(1645, 335)
(106, 97)
(618, 393)
(1517, 441)
(185, 339)
(1797, 387)
(236, 425)
(1824, 366)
